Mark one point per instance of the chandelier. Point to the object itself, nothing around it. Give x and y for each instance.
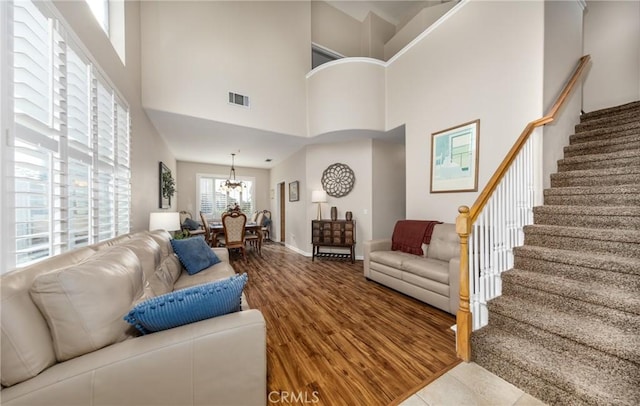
(232, 183)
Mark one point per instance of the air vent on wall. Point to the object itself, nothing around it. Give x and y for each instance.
(240, 100)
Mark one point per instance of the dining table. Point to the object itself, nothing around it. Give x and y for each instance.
(217, 229)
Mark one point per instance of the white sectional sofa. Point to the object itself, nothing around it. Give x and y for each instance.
(221, 360)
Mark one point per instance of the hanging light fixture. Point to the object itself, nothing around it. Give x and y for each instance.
(232, 183)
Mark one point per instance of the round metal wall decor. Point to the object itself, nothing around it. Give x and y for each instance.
(338, 180)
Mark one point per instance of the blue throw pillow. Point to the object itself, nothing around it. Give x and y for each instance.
(191, 224)
(188, 305)
(194, 254)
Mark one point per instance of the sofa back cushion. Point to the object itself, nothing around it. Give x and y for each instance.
(445, 243)
(163, 239)
(148, 252)
(165, 276)
(84, 303)
(26, 344)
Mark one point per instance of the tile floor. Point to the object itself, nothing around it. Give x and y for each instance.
(470, 384)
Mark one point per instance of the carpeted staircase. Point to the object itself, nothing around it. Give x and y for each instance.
(567, 326)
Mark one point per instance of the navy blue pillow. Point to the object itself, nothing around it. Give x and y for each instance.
(188, 305)
(194, 254)
(191, 224)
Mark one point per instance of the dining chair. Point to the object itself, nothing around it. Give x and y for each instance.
(266, 225)
(234, 231)
(208, 234)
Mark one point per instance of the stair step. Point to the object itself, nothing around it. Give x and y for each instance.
(625, 243)
(552, 368)
(603, 146)
(621, 117)
(610, 111)
(585, 266)
(586, 330)
(596, 161)
(518, 287)
(588, 216)
(624, 175)
(617, 195)
(625, 299)
(617, 131)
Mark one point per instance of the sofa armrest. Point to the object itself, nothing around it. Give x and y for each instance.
(221, 253)
(454, 285)
(371, 246)
(216, 361)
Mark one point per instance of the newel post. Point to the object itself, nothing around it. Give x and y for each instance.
(463, 317)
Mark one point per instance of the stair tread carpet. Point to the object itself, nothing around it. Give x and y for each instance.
(628, 174)
(620, 117)
(591, 378)
(593, 292)
(609, 145)
(577, 308)
(588, 330)
(607, 217)
(621, 130)
(611, 263)
(610, 111)
(625, 236)
(594, 190)
(621, 211)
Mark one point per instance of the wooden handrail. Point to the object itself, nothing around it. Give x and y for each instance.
(467, 216)
(491, 186)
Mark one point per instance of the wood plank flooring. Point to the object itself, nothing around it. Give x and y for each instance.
(334, 338)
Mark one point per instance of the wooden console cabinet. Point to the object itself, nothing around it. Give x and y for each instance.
(334, 234)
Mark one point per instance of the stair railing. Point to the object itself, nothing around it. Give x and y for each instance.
(494, 225)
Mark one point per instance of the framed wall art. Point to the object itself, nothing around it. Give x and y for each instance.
(293, 191)
(167, 186)
(454, 158)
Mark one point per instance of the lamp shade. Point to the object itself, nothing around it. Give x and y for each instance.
(165, 220)
(318, 196)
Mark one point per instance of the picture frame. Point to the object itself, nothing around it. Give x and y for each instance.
(454, 158)
(294, 191)
(166, 186)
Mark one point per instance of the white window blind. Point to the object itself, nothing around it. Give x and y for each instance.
(70, 148)
(213, 201)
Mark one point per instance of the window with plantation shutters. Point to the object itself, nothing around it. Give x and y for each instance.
(70, 145)
(213, 200)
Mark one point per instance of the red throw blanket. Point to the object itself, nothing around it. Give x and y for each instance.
(409, 235)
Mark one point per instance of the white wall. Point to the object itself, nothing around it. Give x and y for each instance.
(147, 147)
(358, 155)
(186, 184)
(485, 62)
(612, 37)
(195, 52)
(296, 213)
(388, 189)
(414, 27)
(346, 94)
(333, 29)
(562, 49)
(376, 31)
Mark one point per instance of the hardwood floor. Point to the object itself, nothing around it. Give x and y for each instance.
(334, 338)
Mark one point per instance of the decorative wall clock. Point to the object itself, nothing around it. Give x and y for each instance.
(338, 180)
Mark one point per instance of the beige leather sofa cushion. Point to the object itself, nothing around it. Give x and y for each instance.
(165, 277)
(26, 346)
(163, 239)
(84, 303)
(444, 242)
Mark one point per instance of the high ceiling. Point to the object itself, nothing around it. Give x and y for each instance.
(199, 140)
(397, 12)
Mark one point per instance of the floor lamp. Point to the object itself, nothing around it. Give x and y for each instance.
(319, 196)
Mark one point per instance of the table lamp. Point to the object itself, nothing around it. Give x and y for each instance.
(164, 220)
(319, 196)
